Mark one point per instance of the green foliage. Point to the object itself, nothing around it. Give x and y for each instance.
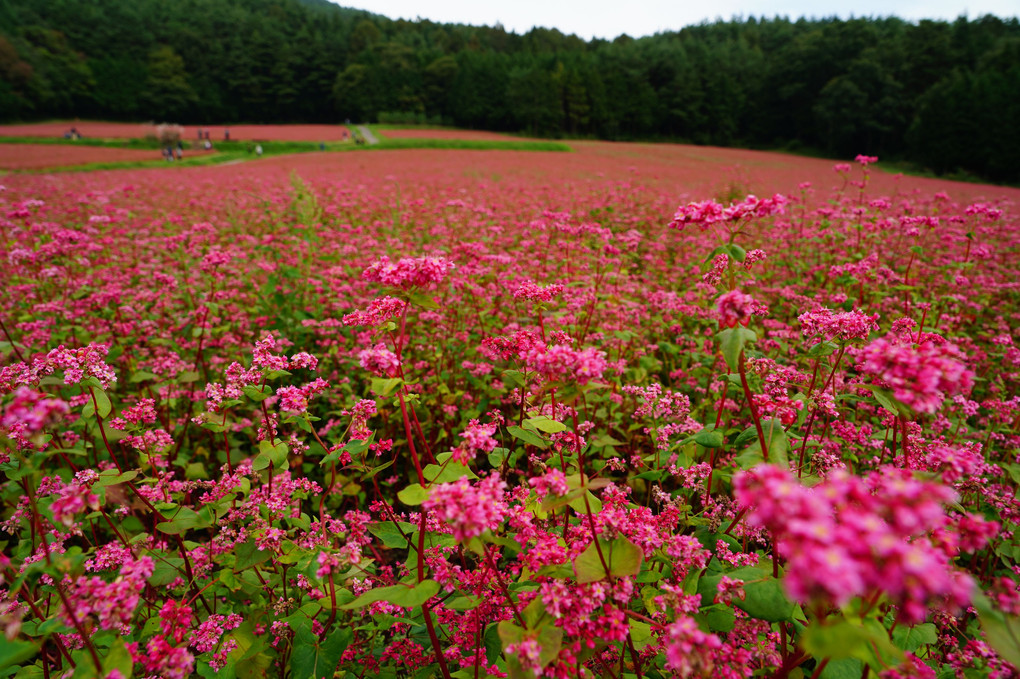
(621, 556)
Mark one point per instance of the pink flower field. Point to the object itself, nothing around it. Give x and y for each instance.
(45, 156)
(628, 411)
(418, 133)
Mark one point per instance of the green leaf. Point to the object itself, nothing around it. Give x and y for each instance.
(640, 633)
(16, 652)
(183, 519)
(111, 477)
(277, 454)
(515, 376)
(605, 441)
(822, 349)
(103, 402)
(546, 424)
(422, 300)
(889, 402)
(375, 470)
(435, 473)
(720, 619)
(166, 570)
(250, 661)
(710, 438)
(312, 659)
(247, 555)
(528, 437)
(257, 394)
(390, 535)
(260, 462)
(578, 503)
(398, 595)
(385, 386)
(1002, 631)
(497, 457)
(912, 638)
(867, 641)
(779, 447)
(764, 597)
(736, 252)
(549, 638)
(844, 668)
(622, 556)
(732, 341)
(413, 495)
(118, 658)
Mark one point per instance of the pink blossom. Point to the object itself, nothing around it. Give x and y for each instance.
(920, 376)
(734, 307)
(850, 536)
(689, 651)
(470, 509)
(553, 482)
(32, 411)
(379, 360)
(478, 437)
(379, 311)
(531, 291)
(842, 326)
(408, 272)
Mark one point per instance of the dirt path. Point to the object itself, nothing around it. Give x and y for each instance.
(367, 134)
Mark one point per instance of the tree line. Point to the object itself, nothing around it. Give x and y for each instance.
(945, 95)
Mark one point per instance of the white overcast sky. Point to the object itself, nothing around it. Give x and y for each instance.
(636, 18)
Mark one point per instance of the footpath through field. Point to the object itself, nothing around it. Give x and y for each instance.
(367, 134)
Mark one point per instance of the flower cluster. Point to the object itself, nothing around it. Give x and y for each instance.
(920, 376)
(852, 536)
(735, 308)
(379, 360)
(29, 412)
(842, 326)
(111, 604)
(710, 212)
(294, 400)
(562, 362)
(378, 312)
(408, 273)
(536, 293)
(469, 509)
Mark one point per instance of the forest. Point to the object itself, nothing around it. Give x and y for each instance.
(942, 96)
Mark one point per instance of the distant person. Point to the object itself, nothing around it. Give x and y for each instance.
(226, 134)
(258, 150)
(322, 146)
(208, 144)
(180, 151)
(200, 134)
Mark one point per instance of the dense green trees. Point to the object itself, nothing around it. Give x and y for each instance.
(944, 94)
